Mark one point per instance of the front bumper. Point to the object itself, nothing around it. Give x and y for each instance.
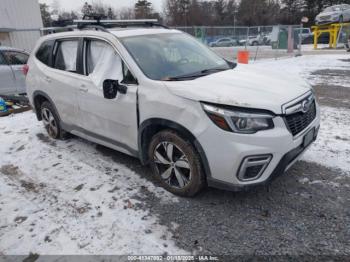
(234, 148)
(285, 163)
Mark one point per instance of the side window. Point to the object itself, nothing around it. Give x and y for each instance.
(102, 62)
(15, 58)
(44, 52)
(66, 56)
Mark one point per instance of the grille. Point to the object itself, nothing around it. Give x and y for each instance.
(297, 122)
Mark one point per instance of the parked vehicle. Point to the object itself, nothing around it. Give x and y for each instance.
(255, 40)
(334, 14)
(12, 69)
(304, 32)
(224, 42)
(162, 96)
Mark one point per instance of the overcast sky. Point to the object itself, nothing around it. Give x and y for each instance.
(77, 4)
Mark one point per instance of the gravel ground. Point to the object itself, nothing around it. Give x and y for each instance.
(306, 211)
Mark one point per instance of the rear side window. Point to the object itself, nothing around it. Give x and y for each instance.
(15, 58)
(66, 56)
(44, 52)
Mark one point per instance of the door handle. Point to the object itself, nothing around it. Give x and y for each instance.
(83, 88)
(47, 79)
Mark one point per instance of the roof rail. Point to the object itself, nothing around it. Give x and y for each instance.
(81, 24)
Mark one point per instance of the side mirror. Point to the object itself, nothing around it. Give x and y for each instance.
(112, 87)
(232, 65)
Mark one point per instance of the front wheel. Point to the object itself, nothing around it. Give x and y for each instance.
(176, 164)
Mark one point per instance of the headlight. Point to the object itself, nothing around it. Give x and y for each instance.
(239, 120)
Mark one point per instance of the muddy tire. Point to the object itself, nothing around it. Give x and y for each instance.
(51, 121)
(176, 164)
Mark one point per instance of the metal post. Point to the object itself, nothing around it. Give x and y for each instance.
(300, 39)
(339, 33)
(247, 39)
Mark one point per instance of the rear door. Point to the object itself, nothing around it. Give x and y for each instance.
(7, 78)
(111, 120)
(17, 60)
(63, 79)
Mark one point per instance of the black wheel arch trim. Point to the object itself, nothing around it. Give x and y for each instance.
(176, 127)
(35, 106)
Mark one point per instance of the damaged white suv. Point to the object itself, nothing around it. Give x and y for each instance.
(160, 95)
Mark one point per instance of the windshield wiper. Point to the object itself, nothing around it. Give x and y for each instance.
(202, 73)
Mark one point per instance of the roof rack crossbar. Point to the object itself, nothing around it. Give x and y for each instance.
(103, 25)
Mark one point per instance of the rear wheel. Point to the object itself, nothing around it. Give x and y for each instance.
(51, 121)
(176, 164)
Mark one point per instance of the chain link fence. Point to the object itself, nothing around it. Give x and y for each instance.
(261, 41)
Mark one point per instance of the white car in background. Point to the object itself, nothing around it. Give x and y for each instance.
(162, 96)
(224, 42)
(334, 14)
(12, 70)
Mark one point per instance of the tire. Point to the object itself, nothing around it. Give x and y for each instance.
(51, 121)
(176, 164)
(255, 43)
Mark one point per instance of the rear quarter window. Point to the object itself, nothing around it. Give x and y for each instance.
(44, 52)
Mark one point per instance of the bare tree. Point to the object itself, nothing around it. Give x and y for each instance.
(45, 15)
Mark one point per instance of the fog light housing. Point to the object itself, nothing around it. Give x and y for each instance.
(252, 167)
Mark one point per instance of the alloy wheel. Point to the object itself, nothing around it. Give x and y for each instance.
(49, 122)
(172, 165)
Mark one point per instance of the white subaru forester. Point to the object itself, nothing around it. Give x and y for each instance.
(160, 95)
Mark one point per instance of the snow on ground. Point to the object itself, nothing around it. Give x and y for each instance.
(304, 66)
(65, 197)
(332, 147)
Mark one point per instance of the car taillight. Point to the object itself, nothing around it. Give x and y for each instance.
(25, 69)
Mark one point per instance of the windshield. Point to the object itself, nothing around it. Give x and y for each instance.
(333, 8)
(166, 56)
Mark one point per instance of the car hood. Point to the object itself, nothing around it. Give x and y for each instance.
(245, 86)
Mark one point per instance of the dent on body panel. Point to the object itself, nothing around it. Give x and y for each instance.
(162, 104)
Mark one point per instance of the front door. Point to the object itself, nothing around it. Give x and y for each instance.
(111, 120)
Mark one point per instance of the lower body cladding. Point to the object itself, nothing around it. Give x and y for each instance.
(240, 161)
